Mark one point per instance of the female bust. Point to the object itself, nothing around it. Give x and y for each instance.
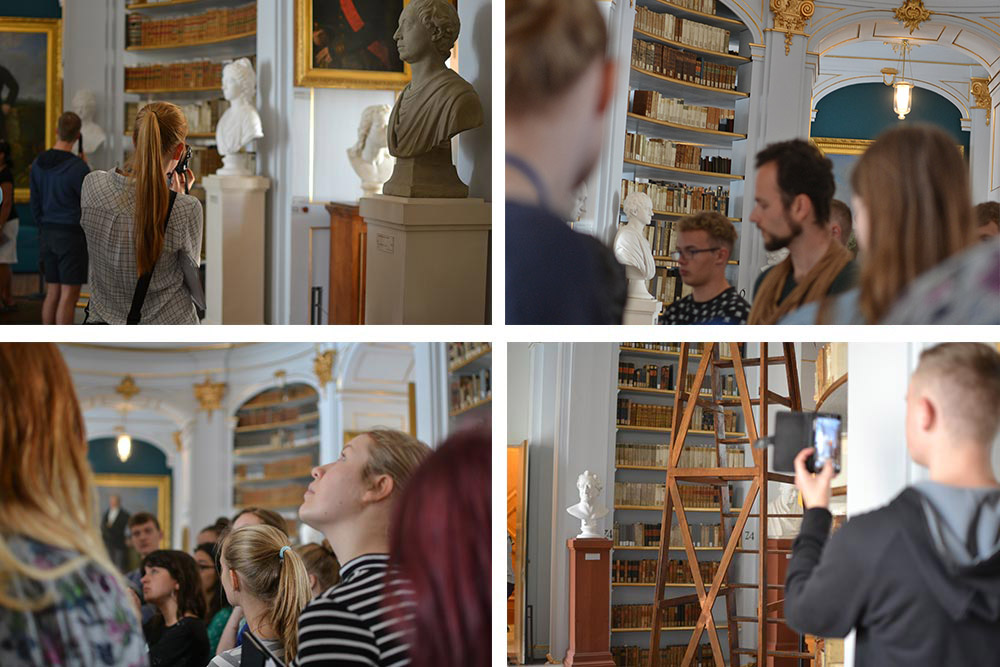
(632, 247)
(240, 124)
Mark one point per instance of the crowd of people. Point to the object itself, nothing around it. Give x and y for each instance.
(133, 235)
(921, 256)
(401, 578)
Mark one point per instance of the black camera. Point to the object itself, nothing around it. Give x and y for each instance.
(181, 170)
(795, 431)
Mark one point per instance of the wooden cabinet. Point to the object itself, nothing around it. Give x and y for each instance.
(348, 235)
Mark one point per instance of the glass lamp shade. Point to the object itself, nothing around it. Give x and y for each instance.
(902, 98)
(124, 447)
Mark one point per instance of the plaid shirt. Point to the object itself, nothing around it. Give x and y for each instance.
(108, 217)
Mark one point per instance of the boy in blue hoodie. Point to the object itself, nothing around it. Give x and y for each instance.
(919, 579)
(56, 180)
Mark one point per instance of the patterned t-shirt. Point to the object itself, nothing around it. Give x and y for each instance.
(727, 308)
(89, 622)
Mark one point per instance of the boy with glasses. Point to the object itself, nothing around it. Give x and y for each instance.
(704, 246)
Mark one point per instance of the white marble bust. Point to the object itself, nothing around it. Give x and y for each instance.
(785, 502)
(85, 106)
(436, 105)
(632, 249)
(579, 204)
(370, 155)
(240, 124)
(590, 508)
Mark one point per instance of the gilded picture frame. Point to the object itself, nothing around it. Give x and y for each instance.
(320, 40)
(30, 125)
(148, 493)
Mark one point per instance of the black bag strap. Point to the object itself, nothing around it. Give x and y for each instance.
(142, 286)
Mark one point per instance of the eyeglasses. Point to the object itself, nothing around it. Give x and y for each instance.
(688, 253)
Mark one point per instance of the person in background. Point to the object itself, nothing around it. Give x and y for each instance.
(56, 183)
(7, 81)
(217, 609)
(988, 220)
(559, 85)
(841, 222)
(704, 247)
(176, 634)
(351, 501)
(918, 579)
(912, 212)
(265, 577)
(114, 527)
(8, 229)
(214, 532)
(321, 564)
(441, 544)
(144, 530)
(62, 600)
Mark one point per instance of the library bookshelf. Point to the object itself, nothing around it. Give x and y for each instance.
(470, 389)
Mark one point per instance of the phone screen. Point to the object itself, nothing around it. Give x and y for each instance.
(826, 440)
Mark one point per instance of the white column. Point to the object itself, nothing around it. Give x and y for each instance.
(979, 153)
(211, 465)
(182, 491)
(475, 62)
(994, 169)
(89, 51)
(331, 428)
(430, 373)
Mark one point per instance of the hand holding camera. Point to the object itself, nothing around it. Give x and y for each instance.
(182, 178)
(815, 488)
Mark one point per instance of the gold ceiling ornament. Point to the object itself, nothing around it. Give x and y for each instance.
(127, 388)
(790, 17)
(912, 13)
(209, 394)
(323, 366)
(980, 89)
(178, 441)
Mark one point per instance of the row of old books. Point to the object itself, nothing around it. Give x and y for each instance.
(275, 415)
(652, 104)
(662, 236)
(685, 31)
(282, 468)
(651, 494)
(141, 30)
(704, 420)
(728, 384)
(459, 353)
(666, 284)
(644, 571)
(647, 376)
(648, 535)
(703, 6)
(205, 161)
(202, 117)
(641, 615)
(644, 414)
(692, 456)
(675, 348)
(174, 76)
(678, 198)
(682, 65)
(670, 656)
(281, 496)
(468, 390)
(283, 394)
(662, 152)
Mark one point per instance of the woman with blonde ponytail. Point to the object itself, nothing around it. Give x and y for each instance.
(62, 602)
(124, 215)
(264, 576)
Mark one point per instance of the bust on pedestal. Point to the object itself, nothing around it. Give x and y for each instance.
(633, 251)
(370, 156)
(240, 124)
(85, 106)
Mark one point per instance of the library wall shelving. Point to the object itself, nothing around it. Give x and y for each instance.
(470, 388)
(275, 447)
(688, 93)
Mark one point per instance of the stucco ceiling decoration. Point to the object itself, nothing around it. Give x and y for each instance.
(980, 89)
(127, 388)
(912, 13)
(790, 17)
(209, 394)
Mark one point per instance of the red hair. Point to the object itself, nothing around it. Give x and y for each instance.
(441, 543)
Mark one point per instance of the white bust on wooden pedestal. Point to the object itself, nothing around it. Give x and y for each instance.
(85, 106)
(590, 509)
(370, 156)
(240, 124)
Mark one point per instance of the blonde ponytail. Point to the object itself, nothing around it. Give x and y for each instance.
(159, 127)
(272, 575)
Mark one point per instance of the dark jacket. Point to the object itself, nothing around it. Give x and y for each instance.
(56, 181)
(919, 579)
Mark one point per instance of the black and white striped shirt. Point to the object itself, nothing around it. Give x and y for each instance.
(359, 621)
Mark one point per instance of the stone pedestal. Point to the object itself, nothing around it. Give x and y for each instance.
(426, 260)
(589, 603)
(234, 249)
(641, 311)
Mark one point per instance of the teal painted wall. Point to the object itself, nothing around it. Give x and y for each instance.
(145, 459)
(864, 110)
(27, 236)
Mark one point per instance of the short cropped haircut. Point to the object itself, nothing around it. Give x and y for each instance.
(841, 212)
(967, 379)
(802, 169)
(718, 227)
(549, 45)
(140, 518)
(987, 212)
(68, 127)
(268, 517)
(441, 21)
(394, 453)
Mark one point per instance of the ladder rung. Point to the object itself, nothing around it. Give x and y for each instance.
(777, 398)
(733, 441)
(745, 651)
(744, 619)
(769, 551)
(749, 363)
(790, 654)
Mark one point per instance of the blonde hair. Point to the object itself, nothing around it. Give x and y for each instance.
(46, 484)
(965, 377)
(320, 562)
(280, 581)
(159, 128)
(395, 454)
(718, 227)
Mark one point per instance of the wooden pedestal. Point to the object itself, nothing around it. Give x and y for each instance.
(589, 603)
(348, 236)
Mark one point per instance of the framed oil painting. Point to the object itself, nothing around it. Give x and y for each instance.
(138, 493)
(348, 44)
(30, 91)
